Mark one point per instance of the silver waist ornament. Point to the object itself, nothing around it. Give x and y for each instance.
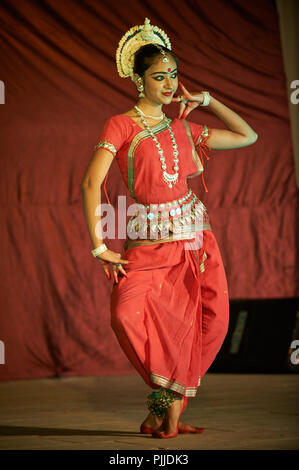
(183, 218)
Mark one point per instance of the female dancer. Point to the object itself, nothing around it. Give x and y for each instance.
(170, 308)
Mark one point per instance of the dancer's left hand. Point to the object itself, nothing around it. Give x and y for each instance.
(188, 101)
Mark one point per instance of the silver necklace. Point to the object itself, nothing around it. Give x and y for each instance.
(151, 117)
(169, 178)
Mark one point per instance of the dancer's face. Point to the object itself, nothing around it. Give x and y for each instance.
(160, 78)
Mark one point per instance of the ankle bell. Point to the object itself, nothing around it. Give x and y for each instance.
(160, 400)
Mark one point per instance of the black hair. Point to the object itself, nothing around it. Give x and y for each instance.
(144, 57)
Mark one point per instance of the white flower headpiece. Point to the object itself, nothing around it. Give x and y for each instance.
(135, 38)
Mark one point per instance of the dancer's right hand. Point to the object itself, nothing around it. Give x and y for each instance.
(114, 258)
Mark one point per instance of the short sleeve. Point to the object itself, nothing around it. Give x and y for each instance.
(200, 133)
(112, 136)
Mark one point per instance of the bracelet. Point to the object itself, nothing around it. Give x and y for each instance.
(206, 98)
(99, 249)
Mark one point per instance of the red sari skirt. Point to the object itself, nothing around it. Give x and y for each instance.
(170, 314)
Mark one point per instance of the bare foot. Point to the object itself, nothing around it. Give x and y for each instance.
(153, 421)
(157, 423)
(185, 428)
(172, 417)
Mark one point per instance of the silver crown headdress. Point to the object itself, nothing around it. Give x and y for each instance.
(135, 38)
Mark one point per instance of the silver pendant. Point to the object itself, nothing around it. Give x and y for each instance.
(170, 178)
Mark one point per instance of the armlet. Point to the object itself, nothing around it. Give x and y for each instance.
(204, 135)
(106, 145)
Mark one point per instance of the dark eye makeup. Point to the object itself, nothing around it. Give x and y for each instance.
(159, 78)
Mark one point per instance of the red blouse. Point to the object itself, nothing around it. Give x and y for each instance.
(139, 161)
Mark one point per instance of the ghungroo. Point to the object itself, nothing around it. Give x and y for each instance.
(161, 399)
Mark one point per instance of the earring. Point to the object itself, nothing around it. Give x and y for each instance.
(140, 88)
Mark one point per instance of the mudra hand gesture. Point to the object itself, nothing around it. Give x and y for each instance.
(110, 256)
(188, 101)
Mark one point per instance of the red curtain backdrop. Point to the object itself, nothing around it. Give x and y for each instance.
(61, 84)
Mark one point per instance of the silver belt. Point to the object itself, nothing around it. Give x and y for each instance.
(180, 216)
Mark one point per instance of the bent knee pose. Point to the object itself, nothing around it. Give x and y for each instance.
(169, 302)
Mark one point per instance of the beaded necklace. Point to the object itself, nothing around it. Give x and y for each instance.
(151, 117)
(169, 178)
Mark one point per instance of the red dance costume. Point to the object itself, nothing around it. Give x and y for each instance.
(170, 314)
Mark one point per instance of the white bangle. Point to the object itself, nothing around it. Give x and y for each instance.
(99, 249)
(206, 98)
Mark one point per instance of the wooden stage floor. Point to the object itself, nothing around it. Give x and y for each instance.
(238, 411)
